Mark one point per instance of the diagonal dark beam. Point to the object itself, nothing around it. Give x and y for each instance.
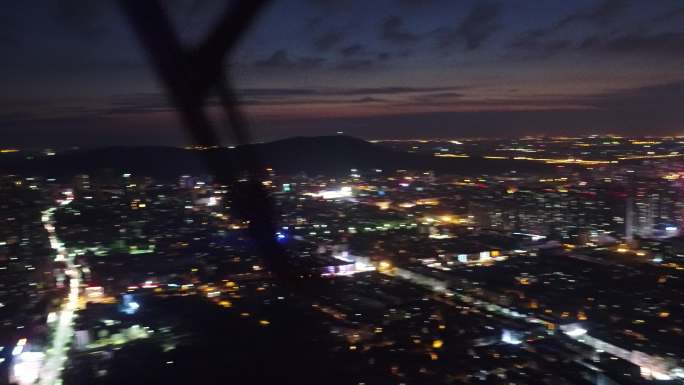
(172, 63)
(190, 76)
(209, 57)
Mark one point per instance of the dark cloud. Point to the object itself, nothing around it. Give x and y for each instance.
(438, 97)
(352, 50)
(390, 96)
(370, 99)
(355, 64)
(281, 59)
(446, 37)
(310, 62)
(603, 13)
(311, 101)
(660, 44)
(412, 3)
(395, 90)
(328, 40)
(37, 109)
(479, 24)
(608, 10)
(297, 45)
(541, 42)
(87, 19)
(151, 102)
(666, 43)
(672, 14)
(422, 3)
(658, 96)
(313, 23)
(648, 106)
(393, 30)
(275, 93)
(329, 5)
(629, 111)
(534, 47)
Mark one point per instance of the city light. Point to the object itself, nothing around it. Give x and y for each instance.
(510, 337)
(342, 192)
(56, 353)
(26, 368)
(575, 331)
(129, 305)
(94, 292)
(403, 253)
(19, 347)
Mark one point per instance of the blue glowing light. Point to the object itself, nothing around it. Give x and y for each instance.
(129, 305)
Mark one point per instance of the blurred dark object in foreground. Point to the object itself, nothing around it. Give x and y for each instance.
(191, 76)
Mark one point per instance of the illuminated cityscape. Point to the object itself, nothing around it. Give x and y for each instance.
(342, 192)
(568, 272)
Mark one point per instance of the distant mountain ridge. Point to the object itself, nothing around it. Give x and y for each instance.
(326, 155)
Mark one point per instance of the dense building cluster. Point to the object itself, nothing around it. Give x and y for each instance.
(401, 276)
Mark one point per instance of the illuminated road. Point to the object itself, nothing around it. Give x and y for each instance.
(651, 366)
(56, 354)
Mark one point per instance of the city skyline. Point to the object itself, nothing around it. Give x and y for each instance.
(536, 260)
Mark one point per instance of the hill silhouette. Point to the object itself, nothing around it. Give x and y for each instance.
(326, 155)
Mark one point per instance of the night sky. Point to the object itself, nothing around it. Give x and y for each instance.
(73, 72)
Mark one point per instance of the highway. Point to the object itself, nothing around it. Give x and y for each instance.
(58, 348)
